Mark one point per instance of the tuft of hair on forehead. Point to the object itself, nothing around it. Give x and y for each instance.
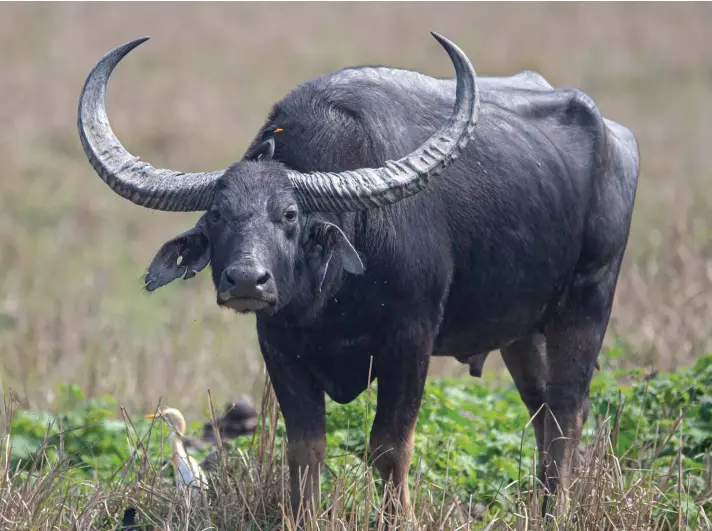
(246, 174)
(253, 182)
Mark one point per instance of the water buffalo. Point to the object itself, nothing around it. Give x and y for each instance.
(381, 216)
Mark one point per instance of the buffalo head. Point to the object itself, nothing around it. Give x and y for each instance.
(268, 231)
(262, 249)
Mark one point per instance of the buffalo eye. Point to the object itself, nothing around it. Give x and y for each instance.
(214, 216)
(290, 215)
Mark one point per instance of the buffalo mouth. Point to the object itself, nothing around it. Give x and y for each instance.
(245, 304)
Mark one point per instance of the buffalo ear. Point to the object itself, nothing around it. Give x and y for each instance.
(333, 239)
(192, 248)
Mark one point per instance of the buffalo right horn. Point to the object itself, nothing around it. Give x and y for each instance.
(368, 188)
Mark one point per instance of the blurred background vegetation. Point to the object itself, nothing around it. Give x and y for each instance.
(72, 253)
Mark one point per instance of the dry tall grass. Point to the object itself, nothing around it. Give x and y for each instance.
(249, 490)
(72, 252)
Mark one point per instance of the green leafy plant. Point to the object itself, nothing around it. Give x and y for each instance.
(472, 440)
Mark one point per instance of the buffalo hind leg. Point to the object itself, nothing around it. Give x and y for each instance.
(401, 377)
(573, 342)
(571, 351)
(526, 361)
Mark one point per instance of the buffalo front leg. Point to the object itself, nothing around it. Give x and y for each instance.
(401, 377)
(301, 400)
(305, 454)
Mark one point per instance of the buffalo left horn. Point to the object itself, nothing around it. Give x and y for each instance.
(132, 179)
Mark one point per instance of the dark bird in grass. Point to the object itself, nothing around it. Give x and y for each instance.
(128, 522)
(238, 418)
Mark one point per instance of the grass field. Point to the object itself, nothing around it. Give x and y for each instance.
(72, 253)
(645, 464)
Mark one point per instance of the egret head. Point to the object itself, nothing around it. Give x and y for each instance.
(172, 417)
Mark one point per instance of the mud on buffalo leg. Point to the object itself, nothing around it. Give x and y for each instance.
(401, 373)
(573, 341)
(302, 402)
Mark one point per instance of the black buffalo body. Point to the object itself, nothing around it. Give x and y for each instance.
(517, 246)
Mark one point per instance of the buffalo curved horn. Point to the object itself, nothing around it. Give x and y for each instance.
(368, 188)
(132, 179)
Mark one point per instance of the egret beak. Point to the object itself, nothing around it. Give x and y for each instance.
(150, 416)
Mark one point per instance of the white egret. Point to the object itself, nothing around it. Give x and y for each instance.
(187, 471)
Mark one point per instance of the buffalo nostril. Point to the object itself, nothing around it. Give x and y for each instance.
(263, 279)
(230, 277)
